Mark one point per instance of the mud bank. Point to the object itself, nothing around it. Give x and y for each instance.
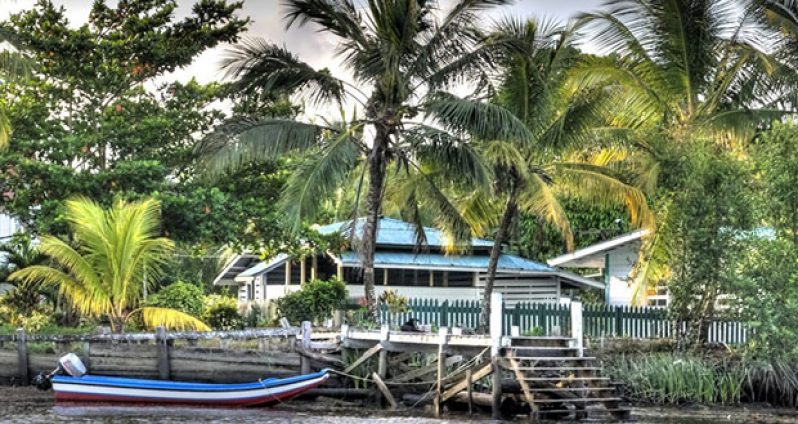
(27, 405)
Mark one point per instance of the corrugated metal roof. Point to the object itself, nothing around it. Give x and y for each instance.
(261, 267)
(507, 263)
(394, 232)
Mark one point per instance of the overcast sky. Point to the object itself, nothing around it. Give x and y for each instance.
(315, 48)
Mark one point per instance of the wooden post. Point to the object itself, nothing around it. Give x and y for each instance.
(340, 272)
(87, 361)
(302, 272)
(314, 268)
(443, 332)
(287, 274)
(164, 371)
(432, 278)
(470, 383)
(22, 356)
(382, 365)
(576, 328)
(496, 307)
(304, 362)
(385, 276)
(496, 398)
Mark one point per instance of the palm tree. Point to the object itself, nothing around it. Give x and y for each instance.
(403, 55)
(118, 251)
(680, 74)
(530, 179)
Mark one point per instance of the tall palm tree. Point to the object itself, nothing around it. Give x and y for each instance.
(402, 55)
(680, 74)
(530, 179)
(118, 251)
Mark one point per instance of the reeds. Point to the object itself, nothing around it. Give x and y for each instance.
(671, 378)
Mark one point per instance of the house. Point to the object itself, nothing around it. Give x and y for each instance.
(428, 272)
(614, 259)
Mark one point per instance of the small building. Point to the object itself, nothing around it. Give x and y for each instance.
(401, 265)
(614, 260)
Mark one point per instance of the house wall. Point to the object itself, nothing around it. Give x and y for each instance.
(8, 226)
(520, 288)
(621, 262)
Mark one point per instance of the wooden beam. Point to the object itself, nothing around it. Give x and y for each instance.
(417, 373)
(519, 376)
(302, 271)
(384, 389)
(340, 272)
(432, 278)
(314, 268)
(475, 375)
(287, 273)
(363, 358)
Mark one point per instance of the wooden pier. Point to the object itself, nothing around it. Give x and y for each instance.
(546, 377)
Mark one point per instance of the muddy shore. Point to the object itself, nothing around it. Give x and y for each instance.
(27, 405)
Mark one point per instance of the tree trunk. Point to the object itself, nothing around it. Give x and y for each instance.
(374, 206)
(504, 227)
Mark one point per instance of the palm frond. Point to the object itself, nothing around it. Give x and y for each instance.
(244, 140)
(339, 17)
(259, 66)
(451, 155)
(170, 319)
(538, 198)
(481, 120)
(320, 175)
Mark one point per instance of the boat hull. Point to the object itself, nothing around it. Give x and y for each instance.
(125, 390)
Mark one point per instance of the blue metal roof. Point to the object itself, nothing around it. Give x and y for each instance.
(507, 263)
(394, 232)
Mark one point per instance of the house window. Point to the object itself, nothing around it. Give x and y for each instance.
(459, 279)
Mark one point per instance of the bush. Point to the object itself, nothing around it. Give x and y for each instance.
(315, 301)
(180, 296)
(221, 312)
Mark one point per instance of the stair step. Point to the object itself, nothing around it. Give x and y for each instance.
(554, 358)
(571, 389)
(556, 368)
(567, 379)
(580, 400)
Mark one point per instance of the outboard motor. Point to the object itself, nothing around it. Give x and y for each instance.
(72, 365)
(69, 363)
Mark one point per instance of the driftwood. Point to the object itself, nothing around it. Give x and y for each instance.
(384, 390)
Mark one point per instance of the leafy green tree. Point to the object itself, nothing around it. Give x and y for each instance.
(95, 118)
(21, 297)
(117, 253)
(776, 157)
(403, 55)
(677, 74)
(180, 296)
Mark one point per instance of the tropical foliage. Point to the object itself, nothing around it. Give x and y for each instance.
(315, 301)
(116, 255)
(403, 56)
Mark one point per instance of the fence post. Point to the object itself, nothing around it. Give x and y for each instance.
(164, 371)
(618, 321)
(382, 365)
(444, 320)
(304, 361)
(22, 356)
(576, 327)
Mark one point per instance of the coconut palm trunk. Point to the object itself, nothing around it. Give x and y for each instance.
(493, 264)
(377, 168)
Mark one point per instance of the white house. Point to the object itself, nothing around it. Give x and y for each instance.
(614, 259)
(401, 266)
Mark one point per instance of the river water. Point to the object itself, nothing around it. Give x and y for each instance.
(33, 407)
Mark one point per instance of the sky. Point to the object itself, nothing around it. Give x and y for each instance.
(315, 48)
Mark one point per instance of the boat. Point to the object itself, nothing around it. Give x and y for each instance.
(71, 384)
(95, 388)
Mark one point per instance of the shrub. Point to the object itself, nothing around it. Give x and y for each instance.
(397, 304)
(315, 301)
(221, 312)
(181, 296)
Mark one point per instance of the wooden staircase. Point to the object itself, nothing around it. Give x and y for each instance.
(554, 381)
